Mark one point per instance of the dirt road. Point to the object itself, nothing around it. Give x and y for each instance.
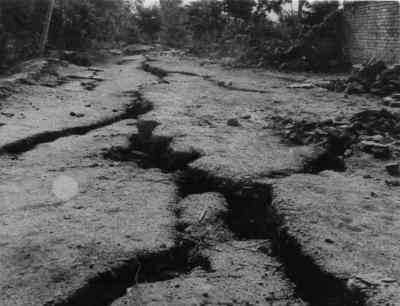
(163, 180)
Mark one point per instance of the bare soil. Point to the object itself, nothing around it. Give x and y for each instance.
(161, 179)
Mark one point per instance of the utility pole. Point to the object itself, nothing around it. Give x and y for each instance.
(46, 27)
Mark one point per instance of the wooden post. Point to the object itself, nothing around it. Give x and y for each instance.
(46, 27)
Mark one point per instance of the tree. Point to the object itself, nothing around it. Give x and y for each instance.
(205, 20)
(239, 9)
(173, 32)
(46, 27)
(148, 20)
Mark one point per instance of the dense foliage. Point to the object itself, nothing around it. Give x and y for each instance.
(262, 32)
(75, 24)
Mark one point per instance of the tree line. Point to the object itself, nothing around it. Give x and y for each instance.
(75, 24)
(239, 28)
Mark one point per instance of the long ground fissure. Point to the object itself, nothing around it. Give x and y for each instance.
(251, 215)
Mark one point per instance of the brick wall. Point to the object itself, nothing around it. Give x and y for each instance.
(372, 30)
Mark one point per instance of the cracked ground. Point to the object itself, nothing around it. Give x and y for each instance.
(166, 182)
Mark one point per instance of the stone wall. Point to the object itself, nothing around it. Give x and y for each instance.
(372, 29)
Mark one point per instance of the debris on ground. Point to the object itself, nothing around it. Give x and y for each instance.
(377, 149)
(372, 77)
(375, 132)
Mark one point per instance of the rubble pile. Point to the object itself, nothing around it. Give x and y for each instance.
(376, 122)
(372, 77)
(305, 132)
(372, 131)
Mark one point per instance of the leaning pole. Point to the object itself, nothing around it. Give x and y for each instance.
(46, 27)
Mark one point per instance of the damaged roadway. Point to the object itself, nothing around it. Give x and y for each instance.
(167, 183)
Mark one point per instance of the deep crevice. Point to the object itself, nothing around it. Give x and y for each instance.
(137, 107)
(252, 216)
(112, 284)
(153, 151)
(248, 212)
(313, 284)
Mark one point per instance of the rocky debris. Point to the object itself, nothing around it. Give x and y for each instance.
(373, 131)
(372, 77)
(377, 122)
(377, 149)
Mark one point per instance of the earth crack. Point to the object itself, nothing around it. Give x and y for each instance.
(112, 284)
(137, 107)
(251, 216)
(163, 73)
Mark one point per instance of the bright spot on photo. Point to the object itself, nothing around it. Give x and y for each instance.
(65, 187)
